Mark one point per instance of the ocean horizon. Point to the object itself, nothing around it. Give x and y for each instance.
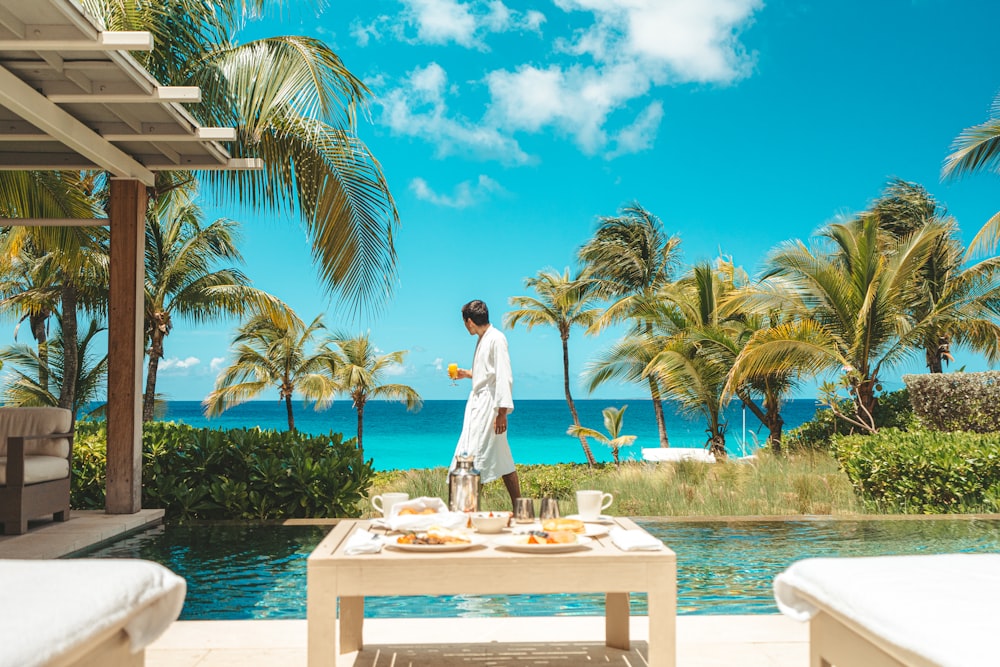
(397, 440)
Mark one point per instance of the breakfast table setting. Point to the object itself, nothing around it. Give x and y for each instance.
(421, 546)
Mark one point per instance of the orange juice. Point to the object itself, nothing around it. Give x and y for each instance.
(453, 371)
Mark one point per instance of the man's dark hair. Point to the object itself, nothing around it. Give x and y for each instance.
(477, 312)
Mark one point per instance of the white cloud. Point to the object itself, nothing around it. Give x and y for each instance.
(466, 194)
(448, 21)
(178, 366)
(441, 21)
(418, 108)
(217, 364)
(640, 135)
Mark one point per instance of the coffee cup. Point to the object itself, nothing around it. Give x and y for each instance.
(590, 503)
(384, 502)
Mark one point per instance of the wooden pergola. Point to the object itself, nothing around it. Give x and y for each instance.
(72, 98)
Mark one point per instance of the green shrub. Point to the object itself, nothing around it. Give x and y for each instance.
(235, 474)
(892, 411)
(922, 472)
(957, 401)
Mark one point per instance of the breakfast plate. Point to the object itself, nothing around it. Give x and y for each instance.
(474, 540)
(603, 518)
(517, 543)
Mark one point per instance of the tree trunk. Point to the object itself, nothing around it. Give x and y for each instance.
(572, 407)
(867, 402)
(360, 407)
(155, 354)
(661, 424)
(717, 446)
(288, 411)
(71, 349)
(934, 364)
(37, 323)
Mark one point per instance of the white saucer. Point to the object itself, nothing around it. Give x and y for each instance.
(603, 518)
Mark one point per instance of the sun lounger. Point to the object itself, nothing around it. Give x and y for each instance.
(659, 454)
(914, 611)
(84, 612)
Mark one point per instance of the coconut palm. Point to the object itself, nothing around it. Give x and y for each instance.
(272, 354)
(852, 304)
(358, 370)
(29, 292)
(294, 105)
(630, 260)
(182, 283)
(561, 302)
(23, 387)
(613, 418)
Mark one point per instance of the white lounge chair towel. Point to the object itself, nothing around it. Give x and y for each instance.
(49, 607)
(941, 611)
(657, 454)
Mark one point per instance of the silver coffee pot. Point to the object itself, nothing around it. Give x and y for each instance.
(463, 485)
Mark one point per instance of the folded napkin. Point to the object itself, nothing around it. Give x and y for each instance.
(363, 542)
(414, 522)
(634, 540)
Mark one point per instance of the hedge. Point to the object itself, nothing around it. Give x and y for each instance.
(957, 401)
(206, 473)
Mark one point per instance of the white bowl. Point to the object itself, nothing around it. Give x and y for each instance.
(490, 522)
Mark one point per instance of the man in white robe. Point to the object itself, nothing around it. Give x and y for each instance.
(484, 429)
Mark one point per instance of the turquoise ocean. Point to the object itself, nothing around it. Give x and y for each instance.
(397, 439)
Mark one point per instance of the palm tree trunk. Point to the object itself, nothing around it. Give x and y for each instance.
(661, 424)
(572, 407)
(717, 446)
(71, 362)
(288, 411)
(361, 428)
(934, 364)
(37, 323)
(155, 354)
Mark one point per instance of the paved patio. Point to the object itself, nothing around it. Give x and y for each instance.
(85, 528)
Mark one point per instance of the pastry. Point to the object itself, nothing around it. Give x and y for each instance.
(572, 525)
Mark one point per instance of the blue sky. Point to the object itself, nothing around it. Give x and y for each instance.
(506, 129)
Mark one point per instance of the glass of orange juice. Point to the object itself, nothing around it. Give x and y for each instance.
(453, 372)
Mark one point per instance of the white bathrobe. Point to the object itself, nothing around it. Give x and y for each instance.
(492, 386)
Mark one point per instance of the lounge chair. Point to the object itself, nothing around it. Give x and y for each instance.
(36, 454)
(893, 611)
(84, 612)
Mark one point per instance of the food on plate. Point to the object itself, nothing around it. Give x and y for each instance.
(413, 510)
(572, 525)
(434, 535)
(550, 537)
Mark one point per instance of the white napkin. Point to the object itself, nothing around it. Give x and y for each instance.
(363, 542)
(413, 522)
(634, 540)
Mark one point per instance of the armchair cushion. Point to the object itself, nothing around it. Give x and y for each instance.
(36, 421)
(38, 469)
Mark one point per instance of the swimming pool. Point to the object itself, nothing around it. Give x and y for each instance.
(238, 571)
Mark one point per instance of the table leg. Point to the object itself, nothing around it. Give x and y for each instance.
(352, 621)
(662, 596)
(321, 615)
(616, 620)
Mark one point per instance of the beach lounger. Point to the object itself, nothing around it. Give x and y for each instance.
(84, 612)
(913, 611)
(658, 454)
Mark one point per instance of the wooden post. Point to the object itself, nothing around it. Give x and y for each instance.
(127, 215)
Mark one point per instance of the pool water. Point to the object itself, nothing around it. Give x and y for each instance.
(238, 571)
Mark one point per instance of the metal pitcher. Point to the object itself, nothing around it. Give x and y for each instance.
(463, 485)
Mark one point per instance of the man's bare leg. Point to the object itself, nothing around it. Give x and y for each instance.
(513, 484)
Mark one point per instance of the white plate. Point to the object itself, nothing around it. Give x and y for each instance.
(515, 543)
(604, 518)
(391, 543)
(589, 529)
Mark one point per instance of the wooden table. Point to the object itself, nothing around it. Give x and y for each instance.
(486, 570)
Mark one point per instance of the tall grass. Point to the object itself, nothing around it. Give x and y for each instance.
(803, 483)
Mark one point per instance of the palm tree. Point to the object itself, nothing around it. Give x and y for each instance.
(294, 104)
(26, 366)
(357, 369)
(630, 260)
(562, 302)
(613, 423)
(272, 354)
(29, 292)
(851, 303)
(181, 282)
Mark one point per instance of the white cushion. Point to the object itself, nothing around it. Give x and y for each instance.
(38, 469)
(36, 421)
(677, 454)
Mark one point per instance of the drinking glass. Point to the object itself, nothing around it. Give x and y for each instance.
(524, 510)
(549, 510)
(453, 373)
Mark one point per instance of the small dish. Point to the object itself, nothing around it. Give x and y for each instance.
(603, 518)
(489, 522)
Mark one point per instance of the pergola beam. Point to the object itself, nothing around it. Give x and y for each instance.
(106, 41)
(33, 107)
(190, 94)
(54, 222)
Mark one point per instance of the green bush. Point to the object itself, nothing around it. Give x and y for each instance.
(923, 472)
(235, 474)
(957, 401)
(893, 411)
